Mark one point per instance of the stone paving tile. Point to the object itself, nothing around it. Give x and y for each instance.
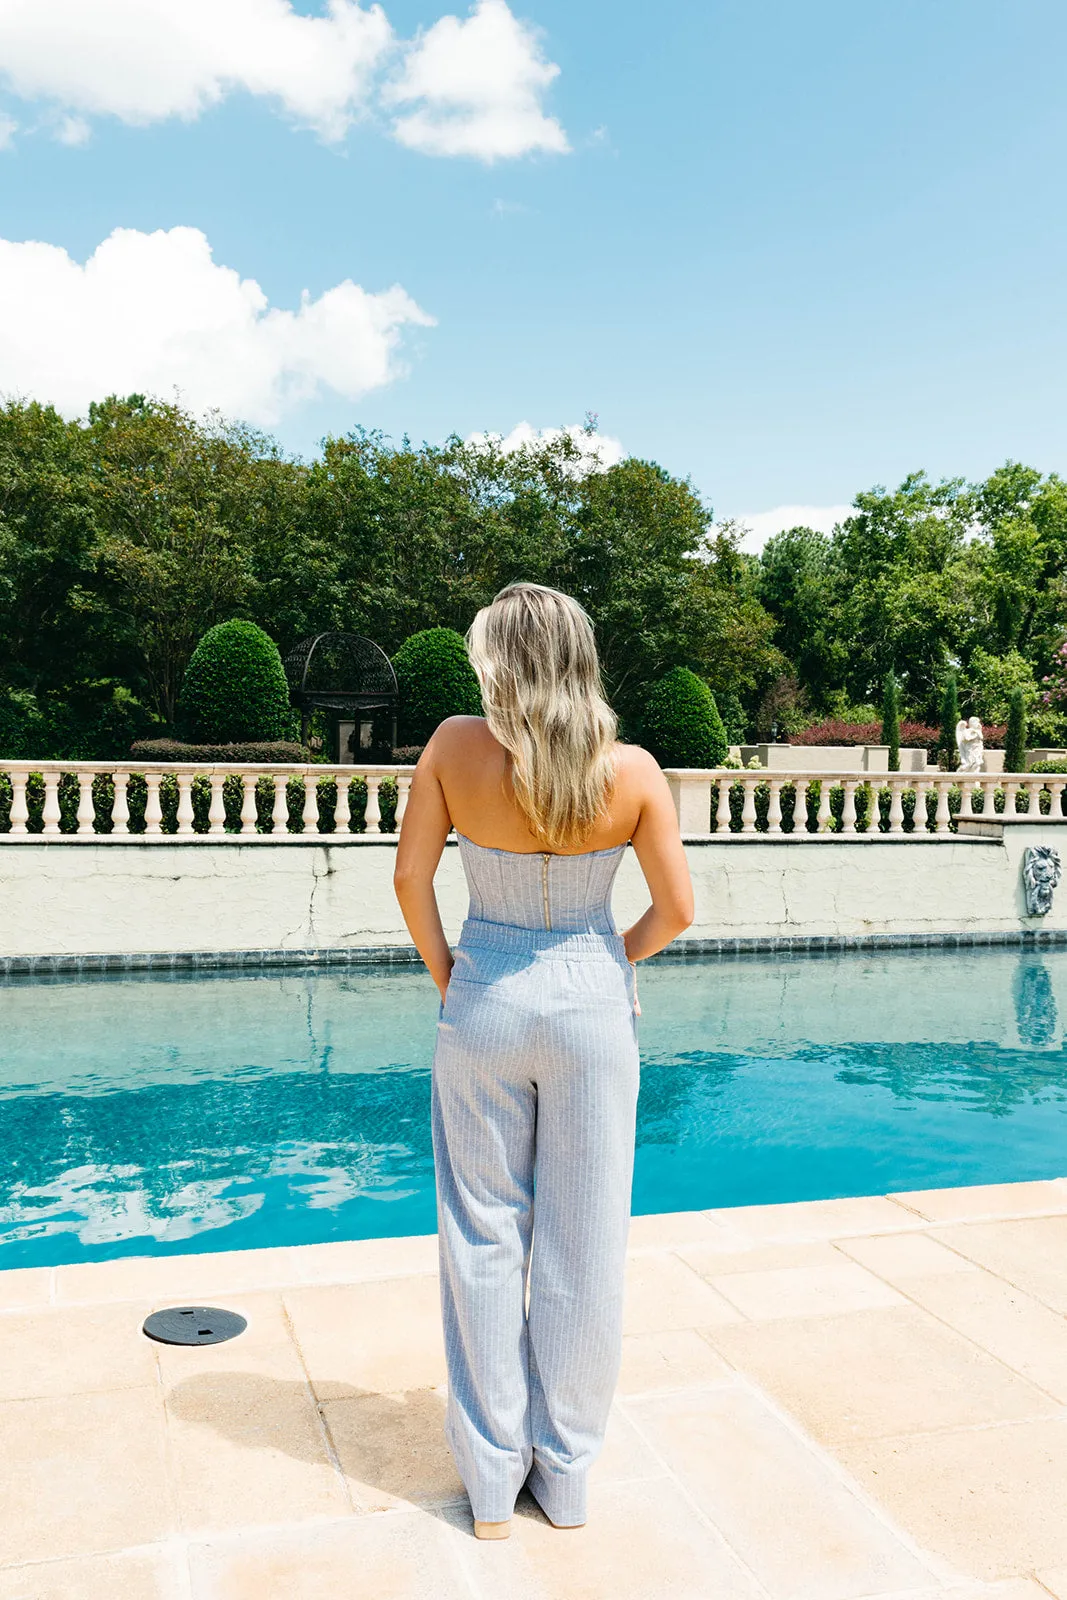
(383, 1336)
(266, 1346)
(356, 1260)
(390, 1557)
(1032, 1253)
(25, 1288)
(392, 1449)
(778, 1504)
(819, 1291)
(977, 1202)
(1055, 1582)
(662, 1293)
(676, 1359)
(989, 1500)
(133, 1575)
(74, 1350)
(672, 1230)
(91, 1475)
(176, 1279)
(248, 1449)
(877, 1373)
(817, 1219)
(717, 1263)
(1021, 1332)
(903, 1255)
(642, 1542)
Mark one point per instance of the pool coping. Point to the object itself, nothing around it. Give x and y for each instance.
(681, 950)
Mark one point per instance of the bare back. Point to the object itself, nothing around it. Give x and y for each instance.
(475, 777)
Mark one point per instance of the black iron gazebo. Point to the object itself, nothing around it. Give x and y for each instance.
(345, 675)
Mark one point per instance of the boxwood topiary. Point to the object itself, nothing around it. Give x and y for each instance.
(234, 690)
(682, 723)
(435, 680)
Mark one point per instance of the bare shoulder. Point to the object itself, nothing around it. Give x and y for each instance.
(636, 767)
(459, 739)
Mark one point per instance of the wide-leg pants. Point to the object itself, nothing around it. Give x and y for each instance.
(535, 1080)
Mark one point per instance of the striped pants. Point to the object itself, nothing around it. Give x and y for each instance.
(535, 1079)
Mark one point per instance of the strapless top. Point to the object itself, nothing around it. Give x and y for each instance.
(563, 894)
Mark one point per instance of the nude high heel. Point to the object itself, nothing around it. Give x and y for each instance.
(492, 1530)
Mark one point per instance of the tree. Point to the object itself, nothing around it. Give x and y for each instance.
(950, 716)
(234, 690)
(891, 720)
(682, 723)
(1015, 738)
(435, 680)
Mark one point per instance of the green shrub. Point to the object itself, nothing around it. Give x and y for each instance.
(435, 680)
(891, 720)
(682, 723)
(280, 752)
(1015, 738)
(234, 690)
(950, 716)
(87, 727)
(733, 716)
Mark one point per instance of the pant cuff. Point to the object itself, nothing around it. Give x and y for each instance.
(561, 1495)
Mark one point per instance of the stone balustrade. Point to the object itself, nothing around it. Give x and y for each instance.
(133, 801)
(801, 804)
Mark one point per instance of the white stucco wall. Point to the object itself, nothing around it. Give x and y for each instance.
(89, 897)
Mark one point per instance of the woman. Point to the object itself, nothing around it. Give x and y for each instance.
(536, 1067)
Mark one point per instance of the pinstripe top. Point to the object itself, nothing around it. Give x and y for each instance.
(567, 894)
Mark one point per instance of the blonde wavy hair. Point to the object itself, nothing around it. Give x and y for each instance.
(535, 657)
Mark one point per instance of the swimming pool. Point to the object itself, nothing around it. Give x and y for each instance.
(155, 1114)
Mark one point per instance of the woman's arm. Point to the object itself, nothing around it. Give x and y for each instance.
(658, 846)
(423, 833)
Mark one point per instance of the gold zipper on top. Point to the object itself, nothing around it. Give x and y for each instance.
(545, 859)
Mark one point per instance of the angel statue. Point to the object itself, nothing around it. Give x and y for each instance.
(969, 744)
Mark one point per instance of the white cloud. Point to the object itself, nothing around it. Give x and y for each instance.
(474, 87)
(73, 130)
(151, 312)
(477, 88)
(8, 129)
(599, 451)
(143, 60)
(763, 525)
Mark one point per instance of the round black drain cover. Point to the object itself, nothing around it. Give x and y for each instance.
(194, 1325)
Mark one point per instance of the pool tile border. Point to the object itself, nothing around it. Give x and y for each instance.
(682, 950)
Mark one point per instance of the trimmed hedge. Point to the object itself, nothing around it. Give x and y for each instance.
(682, 723)
(235, 690)
(435, 680)
(277, 753)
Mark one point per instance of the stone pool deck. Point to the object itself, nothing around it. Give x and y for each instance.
(818, 1402)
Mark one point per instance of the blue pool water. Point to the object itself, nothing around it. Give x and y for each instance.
(158, 1114)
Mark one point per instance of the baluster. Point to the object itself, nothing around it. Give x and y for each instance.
(748, 810)
(51, 802)
(922, 821)
(848, 813)
(942, 815)
(249, 814)
(153, 811)
(86, 808)
(342, 811)
(217, 811)
(825, 815)
(896, 805)
(20, 811)
(1032, 790)
(800, 806)
(722, 810)
(774, 807)
(374, 810)
(1010, 791)
(120, 806)
(279, 817)
(186, 815)
(967, 799)
(310, 812)
(403, 789)
(988, 787)
(1055, 788)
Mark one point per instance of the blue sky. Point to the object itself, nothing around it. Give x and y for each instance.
(790, 250)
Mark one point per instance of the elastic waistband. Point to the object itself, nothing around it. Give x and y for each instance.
(543, 941)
